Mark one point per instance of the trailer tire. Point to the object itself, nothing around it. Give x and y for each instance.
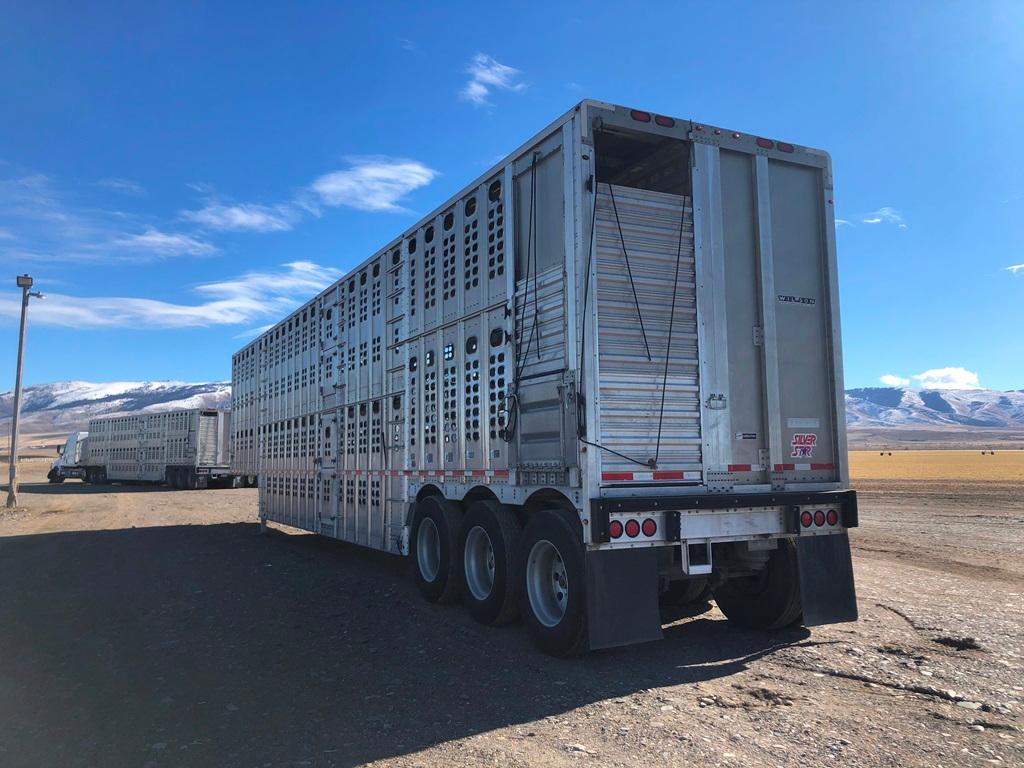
(552, 584)
(770, 599)
(488, 547)
(435, 549)
(687, 592)
(191, 479)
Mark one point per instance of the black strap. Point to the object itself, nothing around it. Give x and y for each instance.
(629, 271)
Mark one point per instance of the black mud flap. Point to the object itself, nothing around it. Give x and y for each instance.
(622, 597)
(826, 579)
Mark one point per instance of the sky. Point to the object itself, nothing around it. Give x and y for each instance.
(177, 176)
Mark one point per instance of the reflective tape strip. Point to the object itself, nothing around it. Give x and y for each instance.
(659, 476)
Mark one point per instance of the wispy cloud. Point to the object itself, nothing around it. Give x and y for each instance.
(372, 183)
(1015, 268)
(125, 186)
(46, 223)
(487, 73)
(244, 217)
(248, 298)
(893, 381)
(843, 223)
(153, 241)
(885, 215)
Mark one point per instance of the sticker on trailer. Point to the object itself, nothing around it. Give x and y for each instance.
(803, 445)
(746, 435)
(805, 300)
(803, 423)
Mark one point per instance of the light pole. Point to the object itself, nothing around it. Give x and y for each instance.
(25, 283)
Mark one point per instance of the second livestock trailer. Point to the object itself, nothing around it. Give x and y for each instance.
(606, 373)
(182, 448)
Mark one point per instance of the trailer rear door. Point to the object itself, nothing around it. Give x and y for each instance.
(766, 256)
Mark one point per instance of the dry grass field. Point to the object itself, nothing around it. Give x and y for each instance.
(955, 466)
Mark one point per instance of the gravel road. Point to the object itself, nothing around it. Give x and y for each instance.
(147, 627)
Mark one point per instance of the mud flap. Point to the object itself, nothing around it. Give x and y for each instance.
(826, 579)
(622, 597)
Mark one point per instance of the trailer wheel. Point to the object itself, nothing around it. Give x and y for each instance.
(770, 598)
(191, 480)
(489, 543)
(552, 598)
(435, 549)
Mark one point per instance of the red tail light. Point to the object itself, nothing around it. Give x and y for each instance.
(664, 122)
(765, 143)
(643, 117)
(832, 517)
(615, 529)
(806, 518)
(783, 146)
(819, 518)
(649, 527)
(632, 528)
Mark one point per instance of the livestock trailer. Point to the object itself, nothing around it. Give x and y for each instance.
(604, 375)
(183, 448)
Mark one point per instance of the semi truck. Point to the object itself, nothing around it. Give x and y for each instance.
(182, 448)
(604, 376)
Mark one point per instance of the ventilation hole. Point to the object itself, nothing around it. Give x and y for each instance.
(470, 207)
(497, 338)
(412, 245)
(470, 347)
(494, 191)
(428, 236)
(412, 363)
(376, 269)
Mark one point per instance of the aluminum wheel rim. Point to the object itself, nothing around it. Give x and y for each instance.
(547, 584)
(479, 563)
(428, 549)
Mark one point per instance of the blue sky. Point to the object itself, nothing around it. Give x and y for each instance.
(176, 175)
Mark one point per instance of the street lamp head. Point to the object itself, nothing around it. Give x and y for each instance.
(37, 295)
(24, 281)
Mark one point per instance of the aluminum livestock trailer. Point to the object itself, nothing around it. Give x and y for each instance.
(184, 448)
(606, 373)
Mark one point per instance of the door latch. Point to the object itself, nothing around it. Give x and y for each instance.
(715, 402)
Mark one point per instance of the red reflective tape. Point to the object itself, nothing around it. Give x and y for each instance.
(822, 466)
(668, 475)
(785, 467)
(739, 468)
(501, 473)
(478, 473)
(616, 475)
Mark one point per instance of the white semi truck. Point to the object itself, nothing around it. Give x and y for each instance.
(183, 448)
(604, 375)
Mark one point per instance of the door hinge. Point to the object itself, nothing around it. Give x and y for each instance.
(758, 336)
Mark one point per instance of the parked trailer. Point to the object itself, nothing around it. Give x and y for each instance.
(607, 372)
(184, 449)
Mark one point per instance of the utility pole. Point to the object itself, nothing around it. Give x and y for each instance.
(25, 283)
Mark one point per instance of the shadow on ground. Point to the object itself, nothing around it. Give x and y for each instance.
(77, 487)
(213, 645)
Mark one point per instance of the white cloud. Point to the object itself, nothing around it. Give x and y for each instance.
(1015, 268)
(373, 183)
(948, 378)
(155, 242)
(244, 216)
(891, 380)
(125, 186)
(886, 214)
(843, 223)
(487, 73)
(250, 297)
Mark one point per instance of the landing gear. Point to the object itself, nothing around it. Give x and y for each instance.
(552, 597)
(769, 598)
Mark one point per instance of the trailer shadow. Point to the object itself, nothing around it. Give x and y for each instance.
(79, 487)
(213, 645)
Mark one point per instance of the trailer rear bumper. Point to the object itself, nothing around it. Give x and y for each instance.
(721, 517)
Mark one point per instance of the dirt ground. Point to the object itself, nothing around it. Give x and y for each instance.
(149, 627)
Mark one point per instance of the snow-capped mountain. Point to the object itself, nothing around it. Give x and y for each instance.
(905, 407)
(68, 405)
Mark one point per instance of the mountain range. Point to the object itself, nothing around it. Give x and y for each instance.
(68, 405)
